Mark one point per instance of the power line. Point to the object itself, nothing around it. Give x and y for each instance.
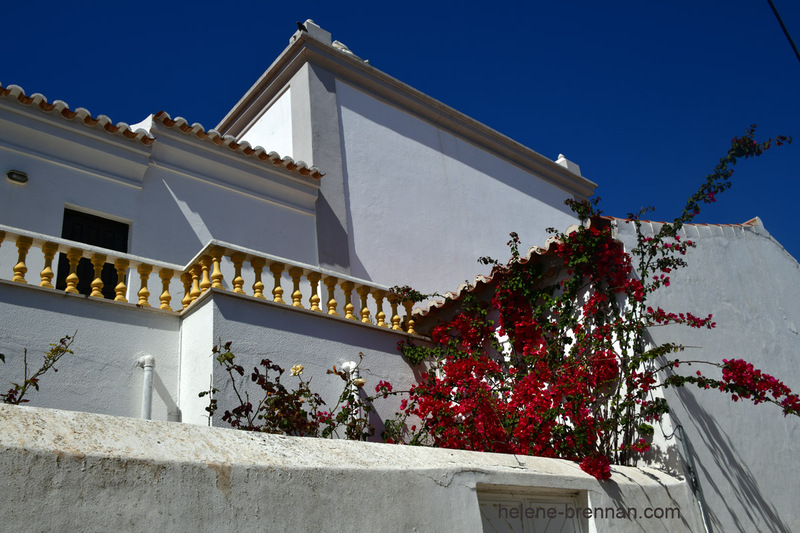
(785, 31)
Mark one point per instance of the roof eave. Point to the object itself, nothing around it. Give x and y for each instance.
(351, 69)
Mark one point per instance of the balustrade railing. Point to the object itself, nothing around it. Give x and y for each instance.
(297, 285)
(310, 286)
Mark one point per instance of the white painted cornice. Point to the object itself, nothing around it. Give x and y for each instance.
(348, 68)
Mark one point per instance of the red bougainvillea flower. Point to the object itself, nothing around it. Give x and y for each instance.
(598, 466)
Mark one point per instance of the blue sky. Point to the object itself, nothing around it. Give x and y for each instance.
(645, 96)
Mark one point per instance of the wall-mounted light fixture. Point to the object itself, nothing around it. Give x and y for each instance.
(17, 176)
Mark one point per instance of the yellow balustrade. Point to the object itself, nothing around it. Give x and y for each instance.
(49, 250)
(277, 292)
(23, 245)
(197, 273)
(144, 293)
(238, 281)
(206, 273)
(313, 279)
(166, 276)
(380, 316)
(258, 287)
(347, 288)
(98, 260)
(330, 283)
(121, 290)
(363, 292)
(205, 281)
(394, 299)
(216, 273)
(408, 304)
(297, 297)
(186, 279)
(73, 257)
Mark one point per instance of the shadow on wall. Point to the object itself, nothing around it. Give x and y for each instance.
(613, 492)
(728, 467)
(667, 459)
(173, 411)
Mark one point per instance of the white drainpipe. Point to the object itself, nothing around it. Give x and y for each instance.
(351, 367)
(148, 363)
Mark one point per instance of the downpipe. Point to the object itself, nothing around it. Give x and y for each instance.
(148, 363)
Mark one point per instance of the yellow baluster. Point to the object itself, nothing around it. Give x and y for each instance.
(205, 282)
(380, 316)
(297, 297)
(330, 282)
(394, 299)
(277, 292)
(73, 257)
(313, 279)
(347, 287)
(166, 276)
(238, 280)
(98, 260)
(196, 275)
(216, 273)
(363, 291)
(186, 279)
(144, 293)
(49, 250)
(23, 245)
(258, 266)
(121, 266)
(408, 304)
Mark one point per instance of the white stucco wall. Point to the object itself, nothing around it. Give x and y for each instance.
(263, 330)
(425, 204)
(196, 362)
(194, 211)
(66, 471)
(273, 129)
(175, 194)
(746, 455)
(102, 376)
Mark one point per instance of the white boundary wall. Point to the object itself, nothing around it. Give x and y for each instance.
(746, 455)
(67, 471)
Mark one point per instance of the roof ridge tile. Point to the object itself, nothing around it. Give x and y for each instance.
(146, 137)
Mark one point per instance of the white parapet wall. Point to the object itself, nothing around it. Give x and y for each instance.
(70, 471)
(746, 455)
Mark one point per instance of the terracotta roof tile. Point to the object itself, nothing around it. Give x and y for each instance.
(434, 307)
(143, 136)
(534, 253)
(59, 107)
(243, 147)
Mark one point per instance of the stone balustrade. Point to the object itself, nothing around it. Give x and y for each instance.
(293, 284)
(99, 257)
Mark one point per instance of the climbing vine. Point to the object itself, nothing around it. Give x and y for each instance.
(556, 362)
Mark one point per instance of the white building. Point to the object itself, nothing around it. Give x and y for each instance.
(190, 236)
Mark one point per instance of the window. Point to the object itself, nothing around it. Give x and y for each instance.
(96, 231)
(519, 512)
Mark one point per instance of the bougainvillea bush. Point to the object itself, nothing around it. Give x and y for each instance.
(555, 362)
